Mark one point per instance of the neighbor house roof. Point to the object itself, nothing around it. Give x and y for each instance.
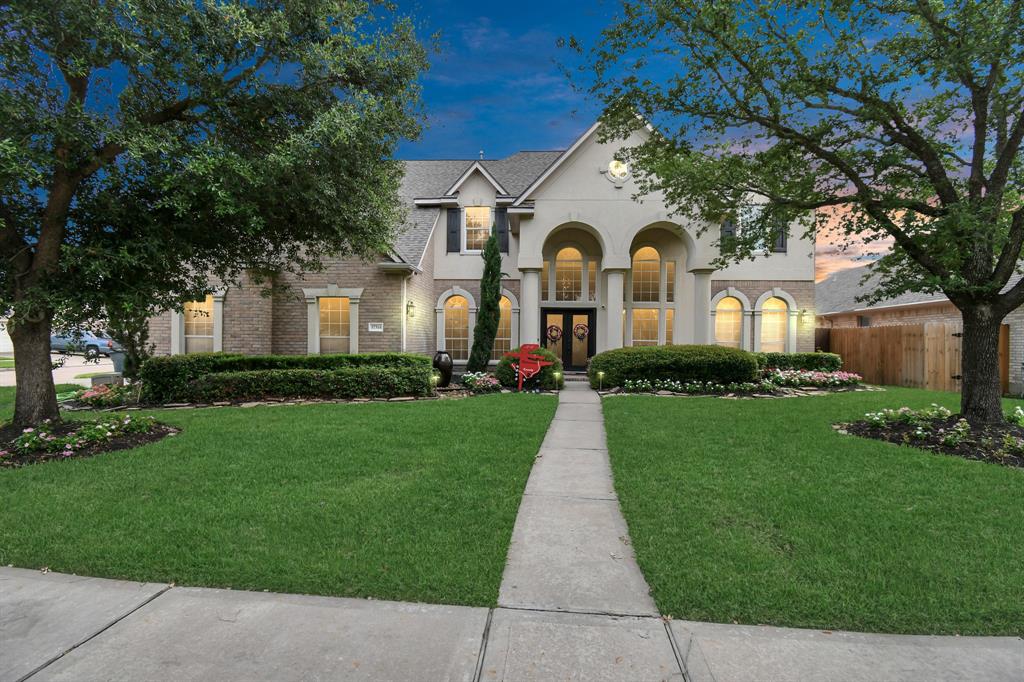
(838, 293)
(434, 178)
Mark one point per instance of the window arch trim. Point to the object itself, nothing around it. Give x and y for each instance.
(439, 316)
(745, 314)
(791, 322)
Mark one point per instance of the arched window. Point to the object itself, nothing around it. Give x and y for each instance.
(728, 322)
(503, 339)
(456, 327)
(646, 275)
(774, 322)
(568, 274)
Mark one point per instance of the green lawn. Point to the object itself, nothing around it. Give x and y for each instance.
(410, 501)
(6, 363)
(757, 512)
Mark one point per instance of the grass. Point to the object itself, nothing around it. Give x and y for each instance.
(409, 501)
(6, 363)
(90, 375)
(758, 512)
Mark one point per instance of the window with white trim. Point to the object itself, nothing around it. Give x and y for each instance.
(478, 227)
(774, 325)
(503, 339)
(670, 318)
(645, 326)
(335, 324)
(729, 322)
(197, 317)
(646, 275)
(568, 274)
(456, 327)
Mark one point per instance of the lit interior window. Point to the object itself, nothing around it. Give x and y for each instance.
(456, 327)
(198, 318)
(335, 331)
(728, 322)
(646, 269)
(645, 326)
(568, 275)
(478, 227)
(503, 339)
(774, 322)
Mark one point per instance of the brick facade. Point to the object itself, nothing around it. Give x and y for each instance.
(802, 292)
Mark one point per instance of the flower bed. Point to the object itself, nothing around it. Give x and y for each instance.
(66, 440)
(937, 429)
(771, 383)
(481, 382)
(103, 396)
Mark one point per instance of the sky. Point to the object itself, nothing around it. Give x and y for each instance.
(496, 85)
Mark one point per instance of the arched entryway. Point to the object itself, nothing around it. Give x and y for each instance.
(571, 290)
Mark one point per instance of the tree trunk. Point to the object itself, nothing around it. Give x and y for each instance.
(35, 398)
(980, 395)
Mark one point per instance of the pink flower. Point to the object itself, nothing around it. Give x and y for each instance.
(28, 430)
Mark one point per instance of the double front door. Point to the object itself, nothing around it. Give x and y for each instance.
(570, 334)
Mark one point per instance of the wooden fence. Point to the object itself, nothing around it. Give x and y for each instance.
(913, 355)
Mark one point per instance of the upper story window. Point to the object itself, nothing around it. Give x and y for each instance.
(478, 227)
(568, 274)
(646, 275)
(198, 321)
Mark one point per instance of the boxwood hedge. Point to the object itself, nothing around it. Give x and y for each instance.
(549, 377)
(169, 379)
(346, 382)
(814, 362)
(680, 363)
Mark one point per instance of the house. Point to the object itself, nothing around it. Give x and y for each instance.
(6, 347)
(839, 305)
(589, 267)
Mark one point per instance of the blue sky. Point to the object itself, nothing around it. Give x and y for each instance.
(496, 85)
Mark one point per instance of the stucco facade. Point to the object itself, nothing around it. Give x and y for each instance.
(588, 266)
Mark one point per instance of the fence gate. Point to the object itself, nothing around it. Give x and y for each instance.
(912, 355)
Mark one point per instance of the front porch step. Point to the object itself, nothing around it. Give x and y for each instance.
(575, 376)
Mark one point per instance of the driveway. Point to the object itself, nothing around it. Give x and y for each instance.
(73, 366)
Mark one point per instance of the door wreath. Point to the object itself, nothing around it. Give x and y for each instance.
(580, 331)
(554, 333)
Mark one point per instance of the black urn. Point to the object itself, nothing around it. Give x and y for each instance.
(443, 364)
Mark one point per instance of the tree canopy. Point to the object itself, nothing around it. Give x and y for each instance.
(153, 146)
(886, 119)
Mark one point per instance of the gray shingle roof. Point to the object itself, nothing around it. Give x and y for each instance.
(840, 290)
(433, 178)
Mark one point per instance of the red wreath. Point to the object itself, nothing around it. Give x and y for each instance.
(580, 331)
(554, 333)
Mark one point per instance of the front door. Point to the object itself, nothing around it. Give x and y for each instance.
(570, 334)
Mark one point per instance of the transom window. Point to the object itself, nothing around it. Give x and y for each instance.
(645, 326)
(646, 275)
(478, 227)
(456, 327)
(503, 339)
(568, 274)
(198, 320)
(335, 330)
(728, 322)
(774, 324)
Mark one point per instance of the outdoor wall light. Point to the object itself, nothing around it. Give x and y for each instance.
(410, 309)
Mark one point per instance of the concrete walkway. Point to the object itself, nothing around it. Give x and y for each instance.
(573, 605)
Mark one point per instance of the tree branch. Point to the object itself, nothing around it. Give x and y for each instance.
(1010, 255)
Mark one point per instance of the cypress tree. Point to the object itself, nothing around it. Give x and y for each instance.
(489, 313)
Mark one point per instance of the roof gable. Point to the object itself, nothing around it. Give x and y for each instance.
(476, 167)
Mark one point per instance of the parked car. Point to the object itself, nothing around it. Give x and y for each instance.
(90, 344)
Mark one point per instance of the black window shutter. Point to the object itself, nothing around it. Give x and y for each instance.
(780, 240)
(501, 226)
(454, 230)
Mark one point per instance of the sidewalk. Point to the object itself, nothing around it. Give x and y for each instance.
(573, 605)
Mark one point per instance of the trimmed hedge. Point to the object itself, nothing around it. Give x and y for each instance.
(168, 379)
(347, 382)
(679, 363)
(812, 362)
(545, 379)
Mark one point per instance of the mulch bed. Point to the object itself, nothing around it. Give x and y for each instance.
(120, 442)
(984, 444)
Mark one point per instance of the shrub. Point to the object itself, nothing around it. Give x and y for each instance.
(545, 379)
(103, 395)
(812, 362)
(347, 382)
(716, 364)
(481, 382)
(168, 379)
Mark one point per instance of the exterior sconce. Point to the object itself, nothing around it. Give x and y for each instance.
(410, 309)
